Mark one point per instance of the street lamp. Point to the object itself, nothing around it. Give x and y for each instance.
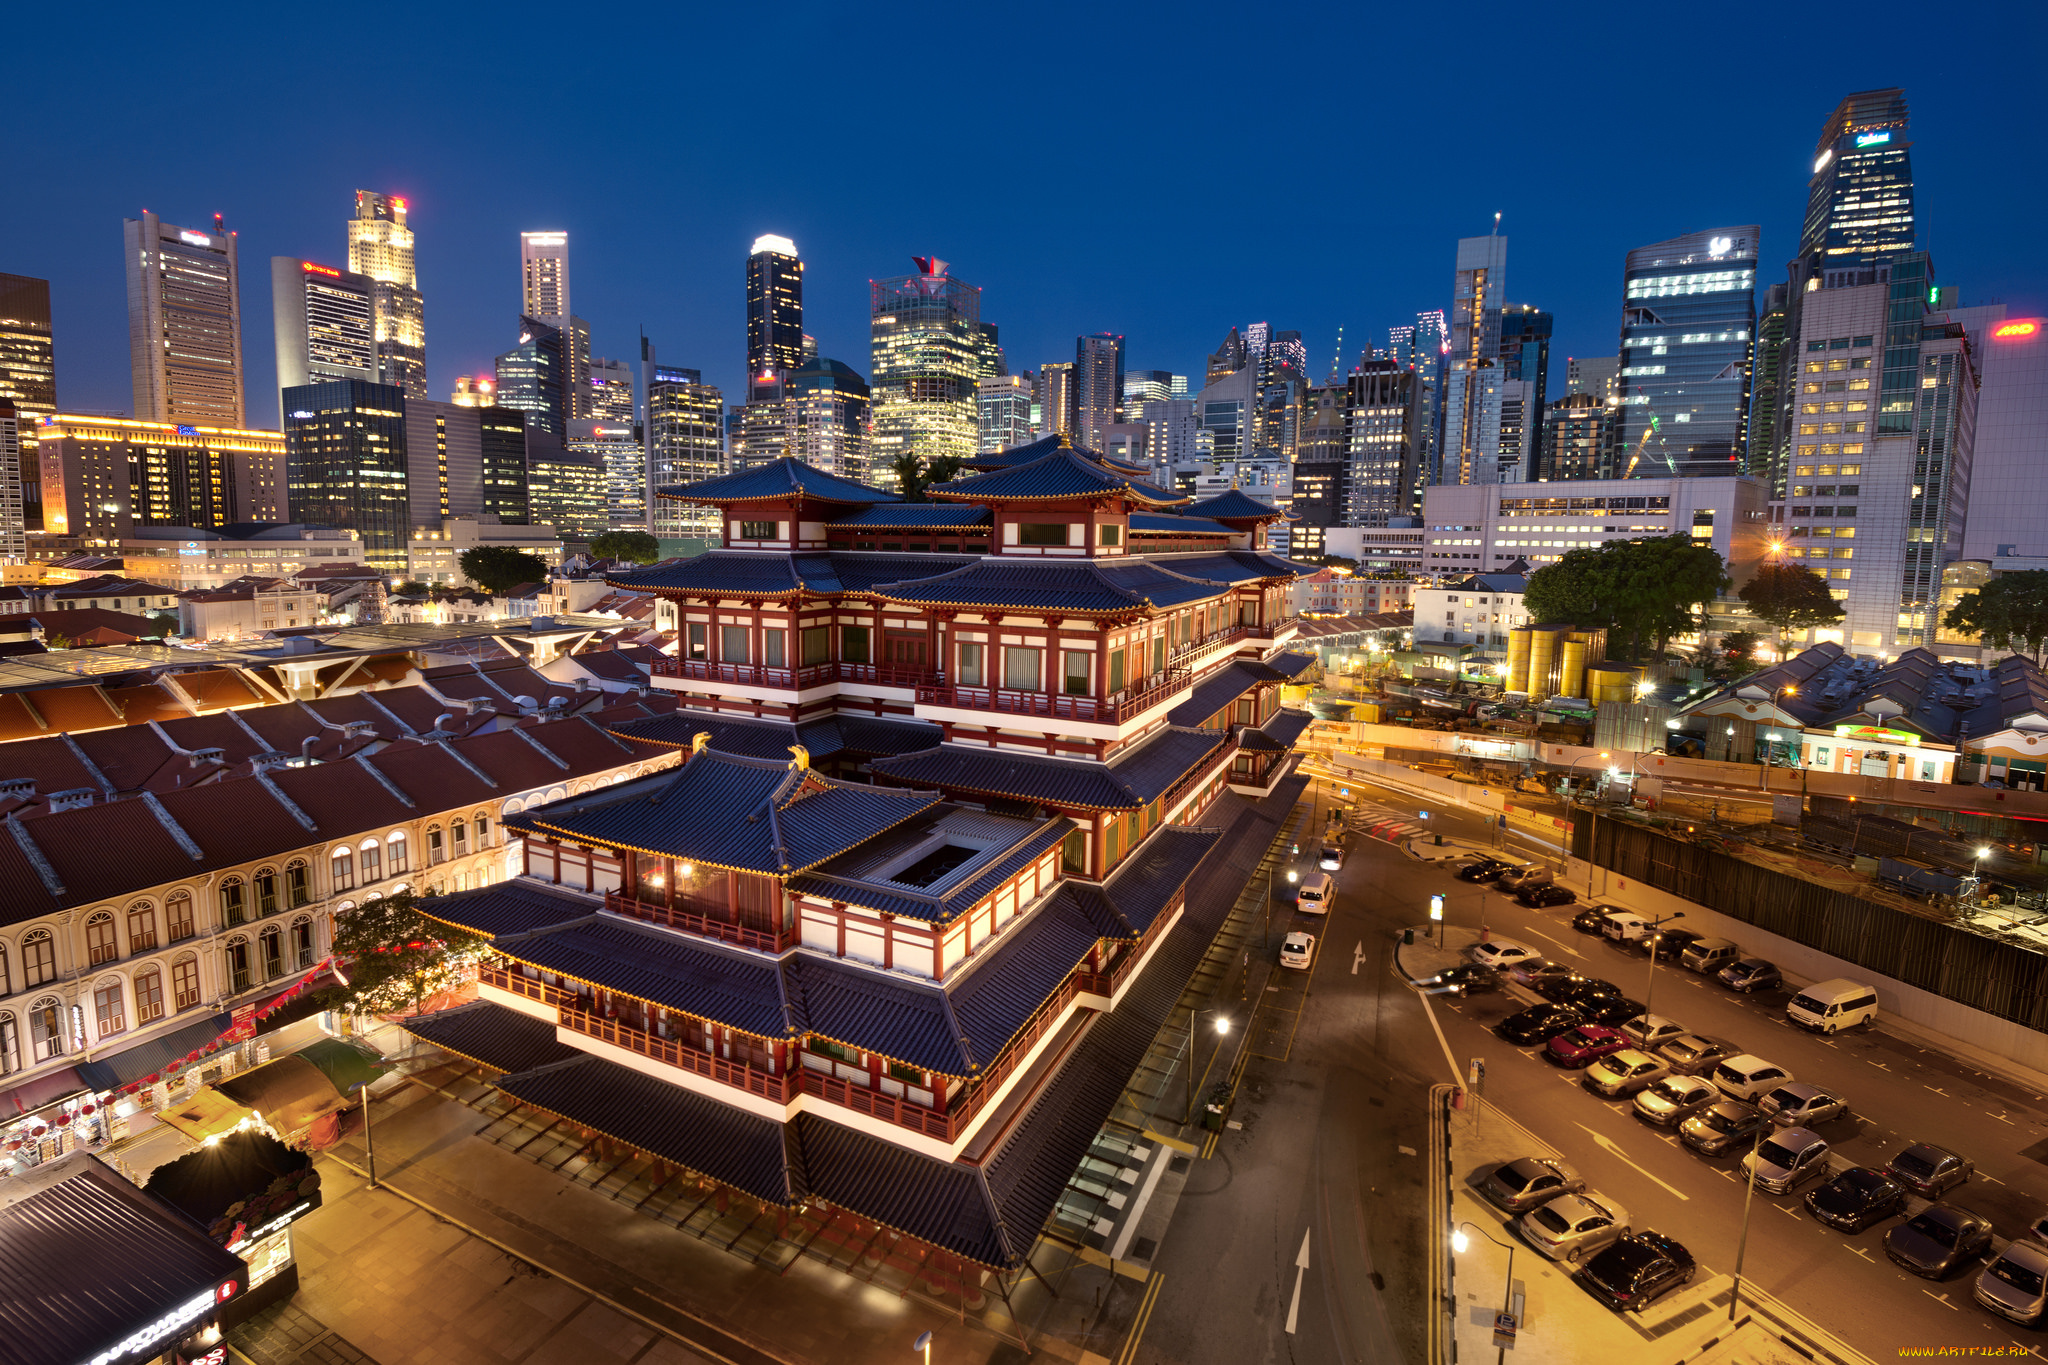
(923, 1344)
(1655, 925)
(1748, 1195)
(1222, 1028)
(1507, 1295)
(1793, 689)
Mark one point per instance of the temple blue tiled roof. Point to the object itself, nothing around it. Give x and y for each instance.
(777, 479)
(734, 572)
(1232, 566)
(1179, 525)
(1236, 505)
(491, 1035)
(1220, 689)
(514, 907)
(1064, 471)
(1070, 585)
(992, 460)
(1277, 735)
(1130, 782)
(914, 516)
(1290, 663)
(824, 884)
(875, 1012)
(1141, 888)
(998, 997)
(826, 737)
(696, 976)
(944, 1203)
(741, 814)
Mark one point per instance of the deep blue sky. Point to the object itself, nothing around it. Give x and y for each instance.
(1164, 171)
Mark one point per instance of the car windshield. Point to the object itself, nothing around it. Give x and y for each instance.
(1785, 1099)
(1577, 1038)
(1722, 1122)
(1934, 1230)
(1776, 1154)
(2018, 1276)
(1671, 1090)
(1552, 1219)
(1910, 1162)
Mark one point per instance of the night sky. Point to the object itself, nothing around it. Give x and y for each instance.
(1163, 171)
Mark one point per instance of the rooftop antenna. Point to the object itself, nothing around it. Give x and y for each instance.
(1496, 225)
(1337, 360)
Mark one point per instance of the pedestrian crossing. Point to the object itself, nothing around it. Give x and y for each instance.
(1379, 822)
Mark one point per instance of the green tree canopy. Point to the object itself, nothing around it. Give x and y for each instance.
(1738, 647)
(1790, 597)
(500, 568)
(914, 474)
(2010, 612)
(1640, 591)
(394, 957)
(638, 547)
(164, 623)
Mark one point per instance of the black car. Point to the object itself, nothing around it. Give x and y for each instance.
(1611, 1010)
(1544, 897)
(1748, 974)
(1568, 990)
(1635, 1272)
(1467, 978)
(1856, 1198)
(1592, 920)
(1539, 1024)
(1670, 944)
(1938, 1239)
(1484, 870)
(1518, 879)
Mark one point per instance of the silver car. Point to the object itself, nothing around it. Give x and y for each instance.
(1675, 1099)
(1574, 1226)
(1695, 1054)
(1522, 1184)
(1800, 1105)
(1620, 1074)
(1785, 1162)
(1652, 1031)
(2015, 1285)
(1722, 1127)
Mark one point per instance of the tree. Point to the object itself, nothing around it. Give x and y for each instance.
(914, 474)
(500, 568)
(165, 623)
(2010, 612)
(637, 547)
(412, 587)
(1738, 648)
(1640, 591)
(1790, 597)
(393, 957)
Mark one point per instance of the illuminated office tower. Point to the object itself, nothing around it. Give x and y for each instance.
(28, 359)
(380, 245)
(1003, 405)
(1385, 421)
(775, 307)
(1056, 405)
(825, 407)
(566, 489)
(1471, 425)
(1575, 438)
(989, 357)
(618, 447)
(13, 529)
(925, 331)
(544, 295)
(324, 321)
(533, 376)
(1688, 330)
(1146, 386)
(1596, 375)
(1098, 386)
(475, 391)
(611, 395)
(1421, 350)
(685, 432)
(345, 447)
(184, 323)
(1173, 432)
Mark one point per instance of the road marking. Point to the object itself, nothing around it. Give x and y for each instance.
(1940, 1298)
(1859, 1251)
(1613, 1149)
(1787, 1210)
(1357, 956)
(1144, 1316)
(1935, 1088)
(2003, 1119)
(1992, 1178)
(1300, 1269)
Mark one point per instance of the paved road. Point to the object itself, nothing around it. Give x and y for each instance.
(1321, 1150)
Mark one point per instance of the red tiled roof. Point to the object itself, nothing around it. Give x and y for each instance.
(213, 689)
(74, 708)
(83, 621)
(53, 764)
(128, 756)
(147, 702)
(17, 719)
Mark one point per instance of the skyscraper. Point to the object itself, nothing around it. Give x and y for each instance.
(1057, 414)
(685, 431)
(1144, 386)
(775, 307)
(1098, 386)
(28, 358)
(989, 358)
(345, 449)
(1386, 421)
(1321, 494)
(544, 295)
(1592, 374)
(825, 407)
(184, 323)
(620, 447)
(612, 398)
(1574, 438)
(1471, 426)
(13, 529)
(926, 338)
(1766, 373)
(380, 246)
(533, 376)
(1688, 332)
(324, 322)
(1421, 350)
(1003, 408)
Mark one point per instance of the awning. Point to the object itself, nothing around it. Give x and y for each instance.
(155, 1055)
(41, 1092)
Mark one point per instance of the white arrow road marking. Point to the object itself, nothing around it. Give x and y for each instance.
(1613, 1149)
(1357, 956)
(1300, 1268)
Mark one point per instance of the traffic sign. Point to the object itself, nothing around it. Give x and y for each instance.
(1436, 907)
(1504, 1330)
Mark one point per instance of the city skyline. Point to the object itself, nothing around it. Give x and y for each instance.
(662, 258)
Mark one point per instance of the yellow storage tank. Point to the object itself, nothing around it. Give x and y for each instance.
(1571, 675)
(1518, 659)
(1542, 656)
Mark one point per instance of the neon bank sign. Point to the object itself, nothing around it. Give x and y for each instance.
(153, 1335)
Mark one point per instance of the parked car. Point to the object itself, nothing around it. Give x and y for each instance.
(1620, 1074)
(1480, 870)
(1785, 1162)
(2015, 1285)
(1524, 1183)
(1533, 972)
(1538, 1024)
(1934, 1241)
(1584, 1045)
(1467, 978)
(1695, 1054)
(1625, 926)
(1930, 1171)
(1722, 1127)
(1503, 953)
(1829, 1006)
(1608, 1009)
(1570, 986)
(1652, 1031)
(1856, 1199)
(1521, 878)
(1330, 857)
(1710, 955)
(1669, 945)
(1545, 897)
(1573, 1226)
(1674, 1099)
(1636, 1271)
(1748, 974)
(1593, 920)
(1800, 1105)
(1297, 950)
(1749, 1077)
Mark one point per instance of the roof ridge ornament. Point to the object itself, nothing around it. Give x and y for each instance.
(800, 758)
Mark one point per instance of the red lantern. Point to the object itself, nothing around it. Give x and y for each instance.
(89, 1110)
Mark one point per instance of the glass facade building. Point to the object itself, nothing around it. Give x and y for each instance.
(1688, 333)
(925, 334)
(825, 408)
(28, 358)
(380, 245)
(184, 323)
(345, 454)
(534, 377)
(775, 307)
(685, 444)
(1386, 423)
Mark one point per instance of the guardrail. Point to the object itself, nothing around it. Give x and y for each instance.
(1114, 710)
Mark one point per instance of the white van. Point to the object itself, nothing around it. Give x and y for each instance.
(1624, 926)
(1315, 894)
(1830, 1005)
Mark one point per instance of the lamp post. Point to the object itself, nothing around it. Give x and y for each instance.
(1793, 689)
(1748, 1195)
(1507, 1294)
(923, 1345)
(1222, 1028)
(1592, 828)
(1656, 925)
